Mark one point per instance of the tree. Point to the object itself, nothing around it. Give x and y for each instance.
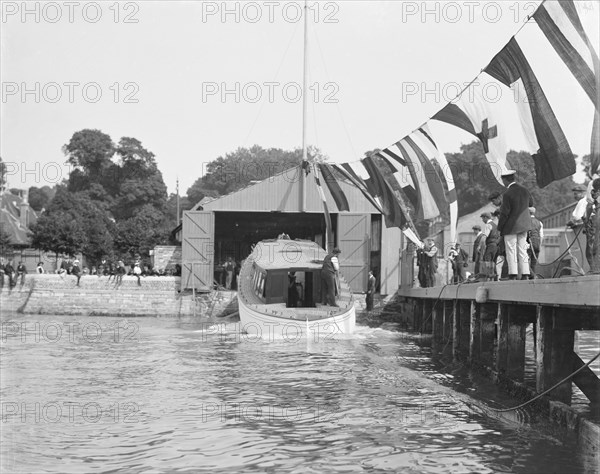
(142, 232)
(40, 197)
(58, 233)
(239, 168)
(5, 240)
(75, 223)
(171, 209)
(2, 175)
(91, 151)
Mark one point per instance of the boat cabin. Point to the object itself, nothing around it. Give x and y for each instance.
(297, 287)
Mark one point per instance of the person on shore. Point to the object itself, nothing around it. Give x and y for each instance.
(119, 271)
(331, 266)
(62, 270)
(459, 258)
(478, 248)
(9, 271)
(536, 236)
(514, 223)
(371, 287)
(40, 268)
(229, 268)
(76, 271)
(21, 272)
(137, 271)
(492, 236)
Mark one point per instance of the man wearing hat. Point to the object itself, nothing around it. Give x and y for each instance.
(331, 266)
(478, 248)
(492, 238)
(514, 223)
(576, 221)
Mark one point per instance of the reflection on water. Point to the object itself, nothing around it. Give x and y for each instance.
(82, 397)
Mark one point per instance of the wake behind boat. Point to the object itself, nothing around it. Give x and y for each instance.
(280, 294)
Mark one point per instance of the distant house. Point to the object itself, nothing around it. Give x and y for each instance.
(16, 217)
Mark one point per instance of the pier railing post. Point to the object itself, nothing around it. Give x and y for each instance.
(461, 328)
(475, 336)
(554, 355)
(487, 326)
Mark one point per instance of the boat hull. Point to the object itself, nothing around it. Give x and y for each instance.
(260, 326)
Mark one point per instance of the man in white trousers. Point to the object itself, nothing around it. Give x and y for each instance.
(513, 223)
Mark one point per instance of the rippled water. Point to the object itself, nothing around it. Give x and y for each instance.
(163, 395)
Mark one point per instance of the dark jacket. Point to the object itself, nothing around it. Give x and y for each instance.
(494, 235)
(514, 211)
(478, 247)
(534, 233)
(328, 264)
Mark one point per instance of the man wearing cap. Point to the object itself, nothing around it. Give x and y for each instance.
(331, 266)
(492, 237)
(536, 236)
(478, 248)
(579, 212)
(429, 263)
(514, 223)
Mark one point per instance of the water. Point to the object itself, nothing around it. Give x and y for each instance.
(163, 395)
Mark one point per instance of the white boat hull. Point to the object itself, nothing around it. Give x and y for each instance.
(264, 327)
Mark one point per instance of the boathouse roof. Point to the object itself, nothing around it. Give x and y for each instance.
(281, 193)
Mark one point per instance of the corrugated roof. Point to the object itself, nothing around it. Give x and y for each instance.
(282, 193)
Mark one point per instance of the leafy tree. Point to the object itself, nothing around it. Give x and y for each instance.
(73, 222)
(5, 240)
(40, 197)
(239, 168)
(91, 151)
(58, 233)
(141, 232)
(171, 209)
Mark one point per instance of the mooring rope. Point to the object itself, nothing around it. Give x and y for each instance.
(550, 389)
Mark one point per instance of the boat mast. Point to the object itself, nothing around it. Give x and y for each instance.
(304, 114)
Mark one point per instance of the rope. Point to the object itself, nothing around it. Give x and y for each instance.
(551, 388)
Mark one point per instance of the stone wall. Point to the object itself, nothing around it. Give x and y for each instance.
(166, 257)
(97, 296)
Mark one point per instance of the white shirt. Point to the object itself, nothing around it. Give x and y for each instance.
(336, 263)
(579, 210)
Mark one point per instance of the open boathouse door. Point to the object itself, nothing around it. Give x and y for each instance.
(353, 240)
(197, 250)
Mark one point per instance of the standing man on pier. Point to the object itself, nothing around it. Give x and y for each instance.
(492, 236)
(331, 266)
(371, 285)
(514, 223)
(478, 248)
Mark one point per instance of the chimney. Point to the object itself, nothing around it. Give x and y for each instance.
(24, 209)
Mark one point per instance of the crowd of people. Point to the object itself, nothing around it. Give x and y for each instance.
(13, 275)
(507, 244)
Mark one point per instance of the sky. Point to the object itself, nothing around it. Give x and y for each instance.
(195, 80)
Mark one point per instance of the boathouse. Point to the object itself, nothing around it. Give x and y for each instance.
(229, 225)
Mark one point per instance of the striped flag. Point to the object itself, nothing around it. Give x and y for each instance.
(482, 118)
(395, 212)
(546, 140)
(359, 183)
(334, 188)
(563, 25)
(328, 227)
(423, 138)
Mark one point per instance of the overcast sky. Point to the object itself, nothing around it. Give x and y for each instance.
(157, 70)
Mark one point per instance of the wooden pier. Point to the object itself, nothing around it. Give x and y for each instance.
(485, 323)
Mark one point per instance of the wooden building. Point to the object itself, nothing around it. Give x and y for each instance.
(228, 226)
